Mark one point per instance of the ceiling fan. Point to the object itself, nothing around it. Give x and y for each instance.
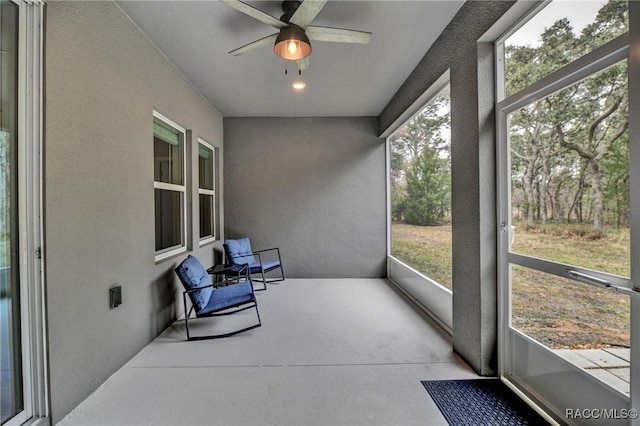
(293, 40)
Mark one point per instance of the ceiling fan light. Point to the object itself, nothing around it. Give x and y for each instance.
(292, 44)
(299, 85)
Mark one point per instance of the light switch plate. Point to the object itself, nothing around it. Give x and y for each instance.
(115, 296)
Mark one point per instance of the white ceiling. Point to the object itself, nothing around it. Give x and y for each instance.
(344, 79)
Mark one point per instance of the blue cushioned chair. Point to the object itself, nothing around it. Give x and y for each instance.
(208, 301)
(260, 262)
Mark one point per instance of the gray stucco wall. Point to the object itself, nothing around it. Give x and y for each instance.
(473, 172)
(103, 79)
(315, 187)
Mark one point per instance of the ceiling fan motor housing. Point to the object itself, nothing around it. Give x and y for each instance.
(292, 42)
(289, 7)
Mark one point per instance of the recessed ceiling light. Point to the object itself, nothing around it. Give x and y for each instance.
(299, 85)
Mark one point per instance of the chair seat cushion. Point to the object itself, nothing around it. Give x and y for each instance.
(194, 276)
(267, 266)
(225, 297)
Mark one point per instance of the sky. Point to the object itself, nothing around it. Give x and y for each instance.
(579, 12)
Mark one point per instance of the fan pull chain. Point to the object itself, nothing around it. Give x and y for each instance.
(286, 70)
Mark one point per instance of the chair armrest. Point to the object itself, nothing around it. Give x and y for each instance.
(259, 252)
(269, 249)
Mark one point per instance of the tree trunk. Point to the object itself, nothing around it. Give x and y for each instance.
(598, 197)
(543, 188)
(529, 181)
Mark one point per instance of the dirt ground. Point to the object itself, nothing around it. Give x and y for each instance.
(568, 316)
(557, 312)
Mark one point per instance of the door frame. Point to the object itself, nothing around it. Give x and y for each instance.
(544, 379)
(30, 217)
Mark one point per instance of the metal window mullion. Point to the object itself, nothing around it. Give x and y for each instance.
(634, 138)
(599, 59)
(183, 197)
(26, 258)
(503, 226)
(634, 177)
(33, 11)
(563, 270)
(169, 186)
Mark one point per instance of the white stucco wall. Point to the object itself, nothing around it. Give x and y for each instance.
(103, 79)
(313, 186)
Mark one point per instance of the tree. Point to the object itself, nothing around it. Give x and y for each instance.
(560, 145)
(420, 171)
(428, 189)
(598, 130)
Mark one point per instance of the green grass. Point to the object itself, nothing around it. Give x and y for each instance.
(557, 312)
(576, 245)
(425, 248)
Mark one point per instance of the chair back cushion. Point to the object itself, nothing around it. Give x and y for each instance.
(193, 275)
(239, 251)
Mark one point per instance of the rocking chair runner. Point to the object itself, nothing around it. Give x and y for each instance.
(238, 252)
(208, 301)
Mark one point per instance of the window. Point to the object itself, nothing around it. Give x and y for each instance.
(561, 32)
(566, 161)
(420, 182)
(568, 156)
(206, 191)
(12, 395)
(169, 187)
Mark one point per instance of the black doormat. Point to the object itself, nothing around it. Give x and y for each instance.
(483, 402)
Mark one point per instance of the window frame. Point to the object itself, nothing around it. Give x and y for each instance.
(587, 65)
(439, 87)
(607, 54)
(211, 192)
(435, 299)
(35, 366)
(182, 189)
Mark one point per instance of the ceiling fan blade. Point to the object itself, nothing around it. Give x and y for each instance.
(337, 35)
(255, 13)
(303, 64)
(254, 45)
(306, 12)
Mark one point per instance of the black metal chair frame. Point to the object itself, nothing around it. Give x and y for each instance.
(229, 272)
(252, 303)
(263, 271)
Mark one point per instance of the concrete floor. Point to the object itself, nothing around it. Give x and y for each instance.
(329, 352)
